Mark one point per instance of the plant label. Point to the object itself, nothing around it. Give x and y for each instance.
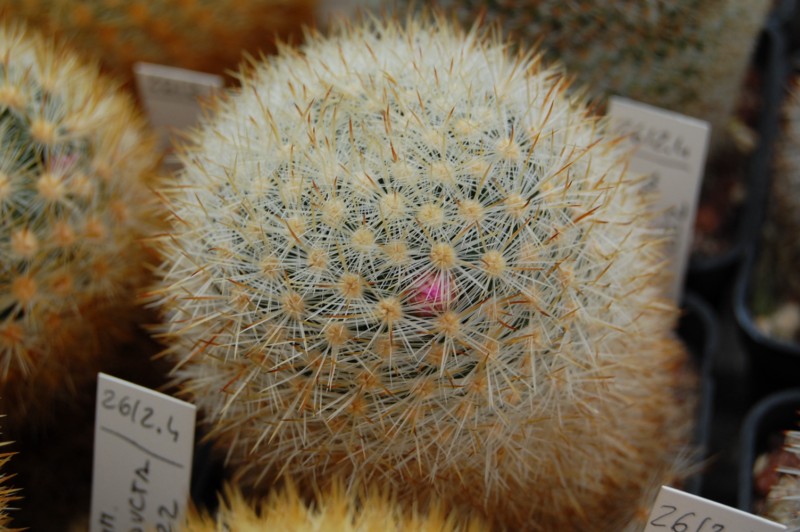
(671, 150)
(172, 97)
(143, 442)
(677, 511)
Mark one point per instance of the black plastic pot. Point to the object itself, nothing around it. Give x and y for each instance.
(712, 276)
(771, 416)
(699, 330)
(774, 363)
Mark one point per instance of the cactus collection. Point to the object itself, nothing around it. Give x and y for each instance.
(76, 171)
(204, 35)
(336, 510)
(401, 255)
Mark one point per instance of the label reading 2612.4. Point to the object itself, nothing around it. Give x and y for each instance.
(142, 458)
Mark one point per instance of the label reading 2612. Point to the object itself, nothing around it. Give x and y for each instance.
(677, 511)
(142, 458)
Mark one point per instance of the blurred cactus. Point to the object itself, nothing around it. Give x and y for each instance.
(402, 255)
(776, 299)
(336, 510)
(76, 167)
(7, 494)
(688, 56)
(204, 35)
(785, 203)
(782, 503)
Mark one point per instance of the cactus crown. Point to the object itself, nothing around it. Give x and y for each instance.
(402, 253)
(75, 170)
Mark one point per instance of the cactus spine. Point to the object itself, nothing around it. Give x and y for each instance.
(402, 255)
(204, 35)
(76, 167)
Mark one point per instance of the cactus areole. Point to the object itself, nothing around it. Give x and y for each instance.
(402, 255)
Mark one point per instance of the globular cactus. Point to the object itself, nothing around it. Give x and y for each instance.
(8, 494)
(401, 255)
(76, 171)
(204, 35)
(688, 56)
(335, 510)
(782, 502)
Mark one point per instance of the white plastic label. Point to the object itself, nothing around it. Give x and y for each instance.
(143, 444)
(172, 96)
(671, 149)
(678, 511)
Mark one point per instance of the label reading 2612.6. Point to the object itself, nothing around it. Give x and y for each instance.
(142, 458)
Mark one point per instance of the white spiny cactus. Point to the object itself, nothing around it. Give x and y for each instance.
(782, 503)
(404, 256)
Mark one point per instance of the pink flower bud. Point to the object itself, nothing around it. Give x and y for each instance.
(433, 294)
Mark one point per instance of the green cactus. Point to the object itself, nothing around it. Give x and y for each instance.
(402, 255)
(76, 167)
(204, 35)
(335, 510)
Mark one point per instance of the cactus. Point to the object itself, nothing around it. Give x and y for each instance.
(7, 494)
(689, 56)
(402, 255)
(782, 501)
(204, 35)
(334, 510)
(76, 171)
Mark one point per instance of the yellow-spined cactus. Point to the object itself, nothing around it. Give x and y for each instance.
(335, 510)
(76, 167)
(8, 494)
(205, 35)
(402, 255)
